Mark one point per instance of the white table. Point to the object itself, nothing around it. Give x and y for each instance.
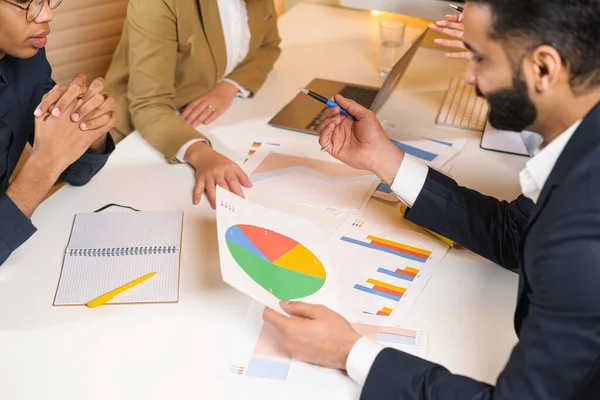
(181, 351)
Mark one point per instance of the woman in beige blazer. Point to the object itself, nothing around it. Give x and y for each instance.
(194, 56)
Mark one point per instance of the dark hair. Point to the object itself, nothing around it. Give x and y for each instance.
(572, 27)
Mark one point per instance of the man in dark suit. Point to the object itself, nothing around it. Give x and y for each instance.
(67, 126)
(538, 64)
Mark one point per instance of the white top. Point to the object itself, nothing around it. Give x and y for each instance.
(236, 31)
(408, 184)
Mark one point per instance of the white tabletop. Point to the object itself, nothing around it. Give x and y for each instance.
(181, 351)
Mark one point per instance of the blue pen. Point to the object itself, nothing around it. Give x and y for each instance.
(327, 102)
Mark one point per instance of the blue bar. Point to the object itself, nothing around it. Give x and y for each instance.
(449, 144)
(395, 274)
(377, 292)
(386, 250)
(415, 152)
(395, 338)
(270, 369)
(366, 312)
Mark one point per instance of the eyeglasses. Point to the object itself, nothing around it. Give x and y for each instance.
(35, 7)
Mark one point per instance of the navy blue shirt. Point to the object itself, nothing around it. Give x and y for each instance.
(22, 85)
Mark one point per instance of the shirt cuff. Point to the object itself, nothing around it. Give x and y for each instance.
(243, 93)
(361, 359)
(181, 153)
(410, 180)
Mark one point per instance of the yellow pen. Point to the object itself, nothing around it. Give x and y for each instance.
(109, 296)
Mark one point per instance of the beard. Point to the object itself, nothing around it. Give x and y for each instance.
(511, 109)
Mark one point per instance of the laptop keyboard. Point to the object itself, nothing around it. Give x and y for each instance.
(362, 96)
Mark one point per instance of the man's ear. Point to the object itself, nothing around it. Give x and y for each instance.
(546, 64)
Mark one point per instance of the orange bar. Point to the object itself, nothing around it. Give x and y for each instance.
(388, 246)
(413, 270)
(388, 291)
(422, 252)
(386, 285)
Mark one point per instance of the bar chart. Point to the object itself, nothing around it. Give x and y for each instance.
(391, 269)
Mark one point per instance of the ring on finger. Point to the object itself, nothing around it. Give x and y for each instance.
(326, 149)
(461, 35)
(209, 106)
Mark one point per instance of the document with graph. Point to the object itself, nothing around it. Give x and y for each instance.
(259, 355)
(308, 176)
(381, 271)
(272, 256)
(110, 249)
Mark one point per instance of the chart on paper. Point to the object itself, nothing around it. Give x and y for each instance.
(321, 183)
(279, 264)
(260, 352)
(389, 269)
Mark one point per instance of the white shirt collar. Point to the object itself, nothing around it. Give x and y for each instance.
(537, 170)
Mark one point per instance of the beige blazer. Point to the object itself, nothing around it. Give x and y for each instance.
(173, 51)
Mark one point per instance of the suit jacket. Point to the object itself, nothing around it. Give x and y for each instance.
(23, 83)
(173, 51)
(556, 243)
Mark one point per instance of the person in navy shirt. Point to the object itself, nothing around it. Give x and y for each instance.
(66, 126)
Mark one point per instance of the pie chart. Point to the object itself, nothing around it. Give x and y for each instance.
(279, 264)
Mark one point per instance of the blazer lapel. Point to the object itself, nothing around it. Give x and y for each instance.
(211, 21)
(256, 21)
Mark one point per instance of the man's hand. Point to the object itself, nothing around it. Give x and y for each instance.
(60, 142)
(314, 333)
(211, 105)
(361, 142)
(452, 26)
(90, 104)
(213, 169)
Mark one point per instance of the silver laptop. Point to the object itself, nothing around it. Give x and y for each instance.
(303, 112)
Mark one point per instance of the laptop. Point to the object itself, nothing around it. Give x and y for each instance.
(303, 113)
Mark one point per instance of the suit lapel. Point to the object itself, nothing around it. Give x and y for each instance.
(256, 21)
(211, 21)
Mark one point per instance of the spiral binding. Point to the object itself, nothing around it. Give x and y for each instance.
(122, 251)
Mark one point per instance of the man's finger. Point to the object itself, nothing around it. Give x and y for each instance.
(301, 309)
(90, 125)
(452, 18)
(243, 178)
(352, 107)
(104, 128)
(106, 107)
(76, 89)
(84, 110)
(49, 101)
(276, 319)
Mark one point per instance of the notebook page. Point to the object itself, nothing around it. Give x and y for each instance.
(86, 276)
(126, 229)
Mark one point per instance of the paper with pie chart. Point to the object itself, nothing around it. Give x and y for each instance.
(272, 256)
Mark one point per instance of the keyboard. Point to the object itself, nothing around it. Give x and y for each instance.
(363, 96)
(462, 108)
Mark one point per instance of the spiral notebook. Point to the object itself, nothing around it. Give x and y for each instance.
(108, 250)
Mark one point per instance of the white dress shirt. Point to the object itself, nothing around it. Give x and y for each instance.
(236, 31)
(408, 184)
